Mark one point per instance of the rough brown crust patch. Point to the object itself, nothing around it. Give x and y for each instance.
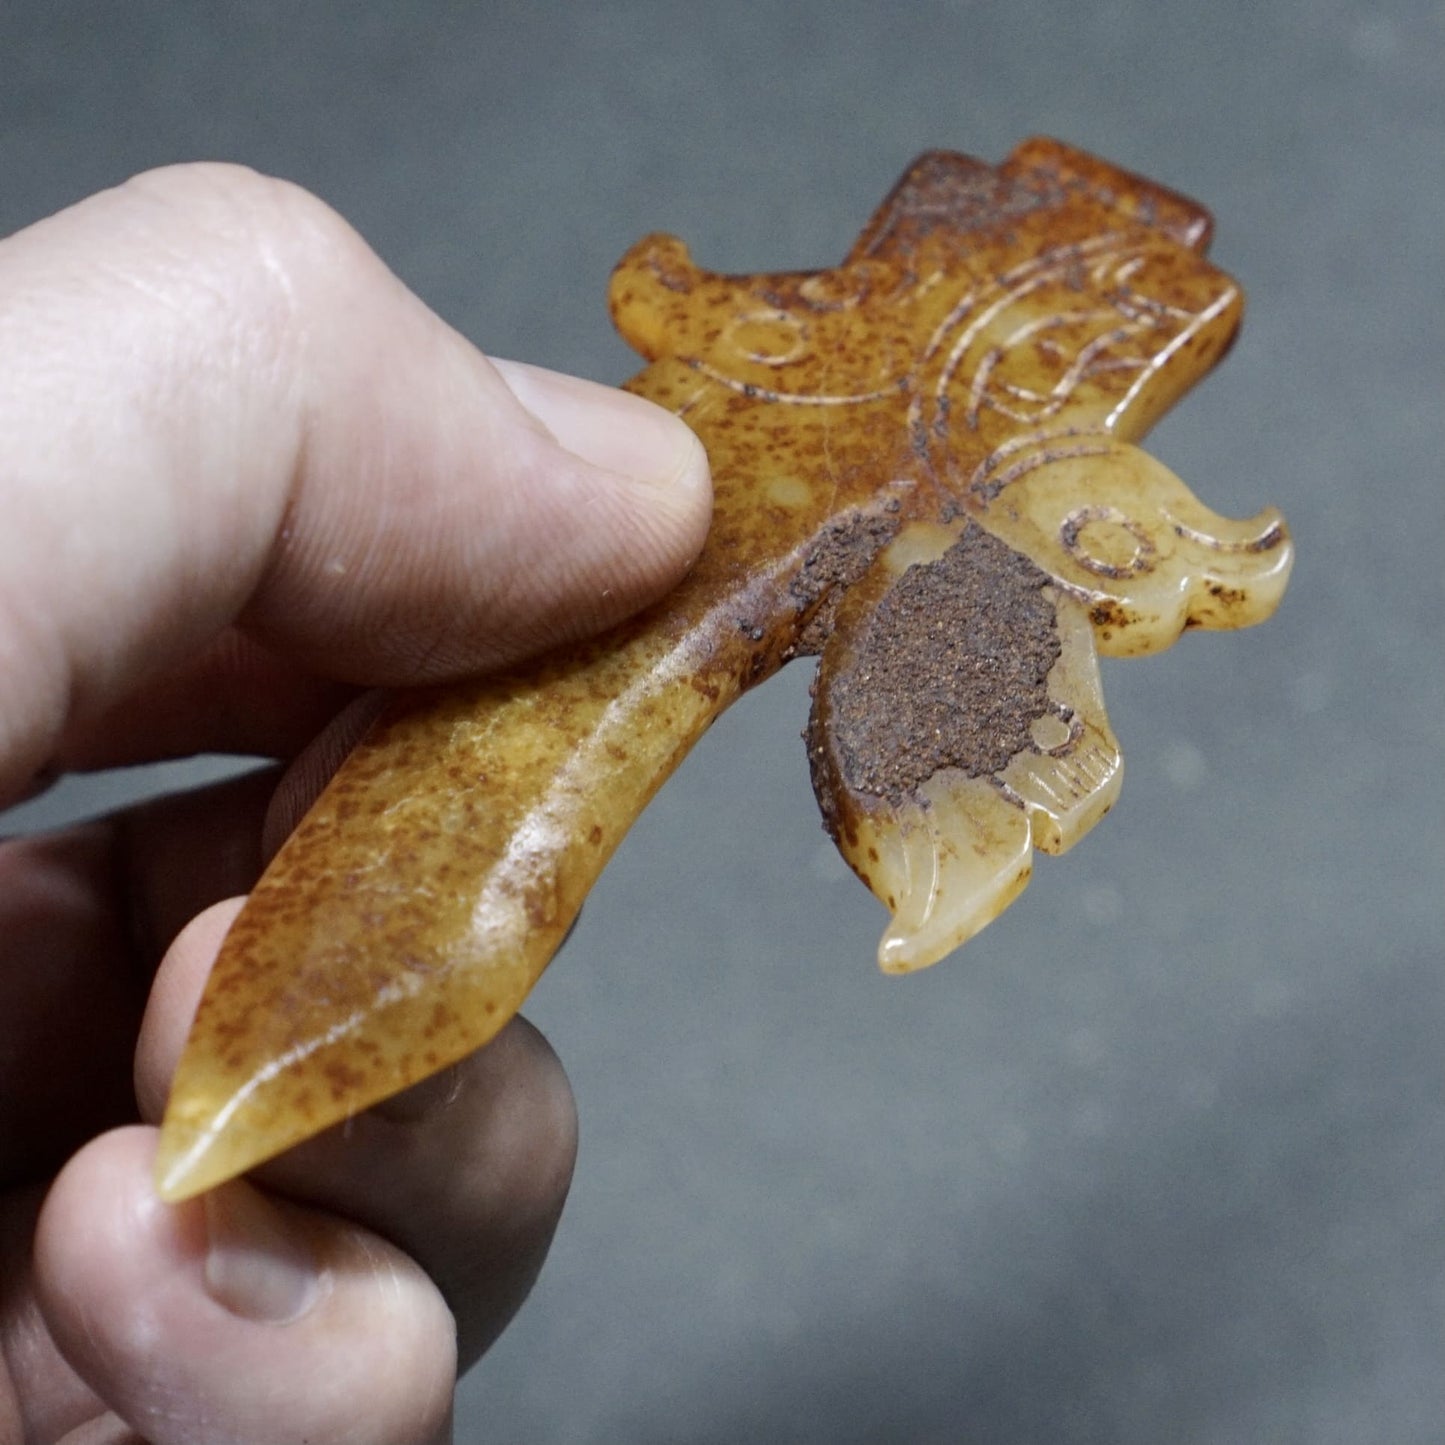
(950, 672)
(841, 555)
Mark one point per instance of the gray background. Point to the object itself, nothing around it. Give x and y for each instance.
(1158, 1157)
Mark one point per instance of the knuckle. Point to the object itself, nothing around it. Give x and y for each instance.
(266, 250)
(529, 1146)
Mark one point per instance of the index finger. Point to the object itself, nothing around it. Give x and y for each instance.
(216, 404)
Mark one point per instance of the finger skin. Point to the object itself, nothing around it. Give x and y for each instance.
(69, 1007)
(122, 1282)
(41, 1397)
(466, 1172)
(85, 918)
(230, 411)
(233, 696)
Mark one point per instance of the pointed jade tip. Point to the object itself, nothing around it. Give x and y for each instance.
(195, 1155)
(185, 1166)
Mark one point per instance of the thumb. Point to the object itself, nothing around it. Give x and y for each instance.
(217, 406)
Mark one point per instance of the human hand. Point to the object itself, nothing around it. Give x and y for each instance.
(245, 476)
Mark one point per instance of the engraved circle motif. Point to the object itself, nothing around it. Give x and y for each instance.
(1107, 542)
(1056, 732)
(770, 338)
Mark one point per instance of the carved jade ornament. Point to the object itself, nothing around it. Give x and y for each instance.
(925, 475)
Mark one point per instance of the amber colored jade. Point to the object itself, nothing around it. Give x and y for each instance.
(926, 476)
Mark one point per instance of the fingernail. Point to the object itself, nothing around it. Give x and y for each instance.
(256, 1266)
(608, 427)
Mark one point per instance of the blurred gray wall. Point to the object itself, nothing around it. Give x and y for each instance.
(1159, 1156)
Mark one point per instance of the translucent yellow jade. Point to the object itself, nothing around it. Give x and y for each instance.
(926, 475)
